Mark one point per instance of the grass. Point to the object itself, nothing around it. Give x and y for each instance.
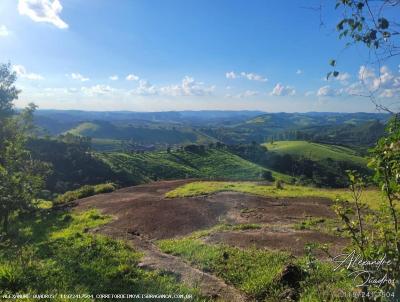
(258, 268)
(256, 272)
(54, 253)
(85, 191)
(315, 151)
(371, 197)
(210, 164)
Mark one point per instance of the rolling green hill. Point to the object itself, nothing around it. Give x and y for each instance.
(316, 151)
(145, 133)
(210, 164)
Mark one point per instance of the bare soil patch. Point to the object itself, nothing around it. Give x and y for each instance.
(289, 240)
(142, 215)
(144, 210)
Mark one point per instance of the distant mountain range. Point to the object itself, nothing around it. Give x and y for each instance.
(111, 130)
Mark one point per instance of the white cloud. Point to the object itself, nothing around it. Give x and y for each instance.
(299, 71)
(231, 75)
(245, 75)
(253, 77)
(21, 72)
(4, 32)
(78, 77)
(188, 87)
(343, 78)
(145, 88)
(281, 90)
(97, 90)
(132, 77)
(365, 73)
(43, 11)
(327, 91)
(386, 84)
(113, 78)
(308, 93)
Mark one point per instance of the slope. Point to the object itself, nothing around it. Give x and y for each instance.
(315, 151)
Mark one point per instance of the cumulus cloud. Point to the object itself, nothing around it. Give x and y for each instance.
(253, 77)
(282, 90)
(386, 84)
(22, 73)
(245, 75)
(188, 87)
(113, 78)
(231, 75)
(4, 32)
(299, 71)
(308, 93)
(327, 91)
(78, 77)
(132, 77)
(145, 88)
(43, 11)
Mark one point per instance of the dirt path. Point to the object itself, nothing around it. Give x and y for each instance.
(210, 286)
(143, 215)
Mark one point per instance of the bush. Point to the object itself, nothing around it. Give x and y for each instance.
(279, 184)
(105, 188)
(85, 191)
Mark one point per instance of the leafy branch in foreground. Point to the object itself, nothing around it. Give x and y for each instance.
(375, 235)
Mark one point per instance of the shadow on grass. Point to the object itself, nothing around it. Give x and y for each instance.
(55, 252)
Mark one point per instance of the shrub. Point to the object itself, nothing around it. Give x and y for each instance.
(105, 188)
(85, 191)
(279, 184)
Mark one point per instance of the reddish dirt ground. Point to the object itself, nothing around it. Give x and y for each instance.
(289, 241)
(142, 214)
(143, 210)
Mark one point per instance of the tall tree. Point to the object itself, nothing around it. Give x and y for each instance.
(21, 177)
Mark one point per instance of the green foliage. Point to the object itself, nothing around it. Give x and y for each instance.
(62, 257)
(365, 24)
(72, 163)
(376, 235)
(210, 163)
(8, 91)
(85, 191)
(21, 177)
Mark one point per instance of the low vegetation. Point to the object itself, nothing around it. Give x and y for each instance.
(200, 163)
(258, 272)
(85, 191)
(373, 197)
(315, 151)
(54, 253)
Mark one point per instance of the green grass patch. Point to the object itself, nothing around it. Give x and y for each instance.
(55, 253)
(253, 271)
(256, 272)
(209, 164)
(371, 197)
(85, 191)
(316, 151)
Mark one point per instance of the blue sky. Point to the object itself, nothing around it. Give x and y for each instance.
(156, 55)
